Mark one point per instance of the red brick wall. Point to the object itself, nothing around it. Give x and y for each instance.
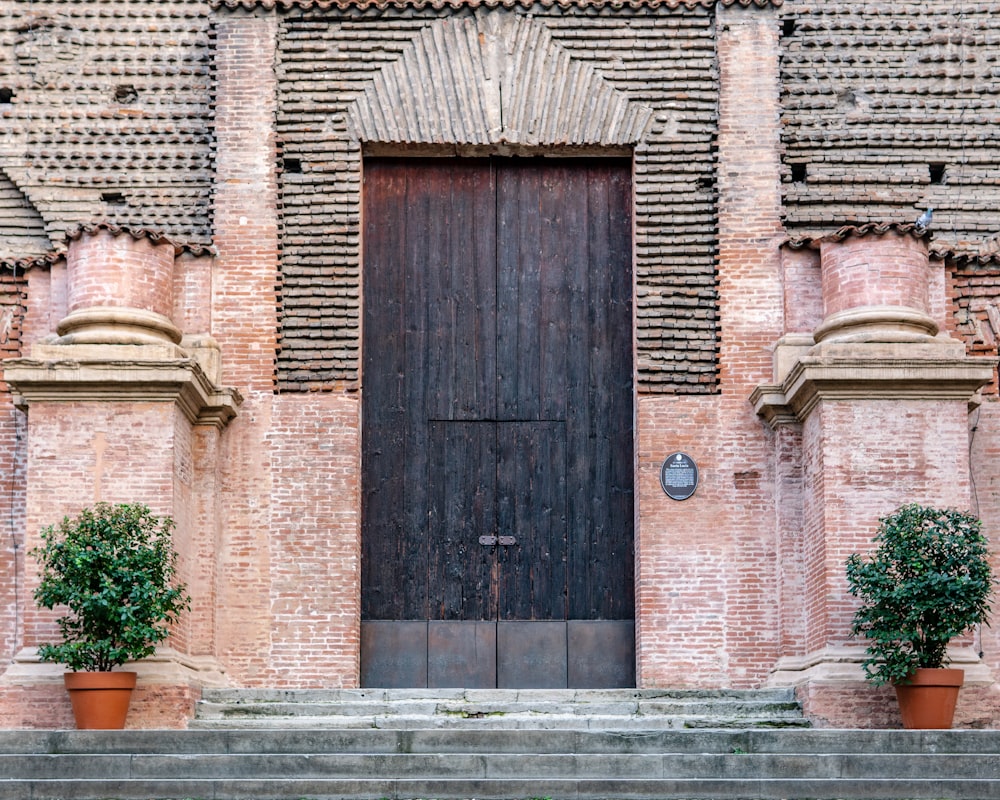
(119, 270)
(683, 548)
(803, 288)
(45, 303)
(707, 578)
(244, 321)
(876, 455)
(747, 570)
(985, 501)
(975, 296)
(81, 451)
(314, 447)
(789, 501)
(192, 293)
(896, 275)
(124, 453)
(751, 302)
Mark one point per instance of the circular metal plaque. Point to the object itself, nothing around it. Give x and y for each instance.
(679, 476)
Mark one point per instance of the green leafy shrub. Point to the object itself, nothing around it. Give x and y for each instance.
(113, 566)
(927, 581)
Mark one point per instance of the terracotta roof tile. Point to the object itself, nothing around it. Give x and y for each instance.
(868, 229)
(966, 255)
(157, 237)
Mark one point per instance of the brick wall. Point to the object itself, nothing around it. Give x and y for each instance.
(662, 60)
(244, 323)
(888, 108)
(314, 448)
(875, 456)
(853, 278)
(985, 501)
(975, 295)
(92, 462)
(976, 288)
(12, 444)
(708, 583)
(136, 274)
(107, 116)
(746, 571)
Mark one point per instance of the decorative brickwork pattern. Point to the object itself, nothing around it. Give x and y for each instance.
(976, 293)
(663, 61)
(22, 229)
(106, 115)
(890, 107)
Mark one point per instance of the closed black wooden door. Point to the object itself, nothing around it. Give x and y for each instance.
(497, 406)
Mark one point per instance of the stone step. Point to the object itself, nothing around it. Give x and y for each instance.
(544, 788)
(520, 709)
(428, 741)
(445, 764)
(512, 722)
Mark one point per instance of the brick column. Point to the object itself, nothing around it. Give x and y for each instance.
(883, 403)
(120, 290)
(244, 315)
(114, 402)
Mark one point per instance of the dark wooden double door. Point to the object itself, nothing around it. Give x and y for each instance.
(497, 423)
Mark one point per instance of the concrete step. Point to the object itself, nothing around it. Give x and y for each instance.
(571, 765)
(521, 709)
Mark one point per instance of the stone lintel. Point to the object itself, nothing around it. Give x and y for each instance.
(179, 380)
(869, 372)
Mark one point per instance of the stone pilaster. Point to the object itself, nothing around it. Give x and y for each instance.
(114, 397)
(882, 400)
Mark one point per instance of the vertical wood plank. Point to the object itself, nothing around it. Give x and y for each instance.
(429, 354)
(384, 408)
(621, 431)
(531, 492)
(461, 480)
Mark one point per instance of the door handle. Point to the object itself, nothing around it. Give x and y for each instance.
(504, 541)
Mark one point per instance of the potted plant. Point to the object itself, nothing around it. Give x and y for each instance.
(113, 567)
(927, 581)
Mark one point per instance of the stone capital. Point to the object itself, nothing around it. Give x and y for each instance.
(130, 377)
(934, 370)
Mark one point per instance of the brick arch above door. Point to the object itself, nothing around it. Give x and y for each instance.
(662, 60)
(493, 79)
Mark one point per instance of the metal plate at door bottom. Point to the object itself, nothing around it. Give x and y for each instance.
(601, 653)
(394, 654)
(518, 654)
(461, 654)
(531, 654)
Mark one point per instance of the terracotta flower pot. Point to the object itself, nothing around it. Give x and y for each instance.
(100, 699)
(928, 699)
